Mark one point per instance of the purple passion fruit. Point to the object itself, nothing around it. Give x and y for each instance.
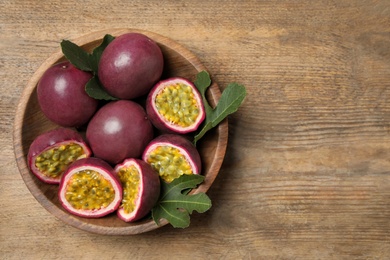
(130, 65)
(52, 152)
(175, 105)
(172, 156)
(90, 189)
(62, 97)
(119, 130)
(141, 189)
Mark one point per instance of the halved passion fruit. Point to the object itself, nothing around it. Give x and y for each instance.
(141, 189)
(52, 152)
(90, 189)
(171, 156)
(175, 105)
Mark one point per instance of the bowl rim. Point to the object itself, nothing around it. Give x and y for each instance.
(21, 160)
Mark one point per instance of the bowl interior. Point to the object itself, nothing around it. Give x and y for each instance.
(30, 122)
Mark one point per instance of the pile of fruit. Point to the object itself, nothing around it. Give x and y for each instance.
(128, 149)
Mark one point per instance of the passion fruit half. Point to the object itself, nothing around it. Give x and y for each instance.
(175, 105)
(90, 189)
(171, 156)
(141, 189)
(52, 152)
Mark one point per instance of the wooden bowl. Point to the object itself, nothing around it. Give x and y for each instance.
(30, 122)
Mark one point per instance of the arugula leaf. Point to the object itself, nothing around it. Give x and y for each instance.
(229, 103)
(95, 90)
(97, 52)
(76, 55)
(175, 205)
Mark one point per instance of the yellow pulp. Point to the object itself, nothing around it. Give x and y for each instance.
(130, 179)
(89, 190)
(177, 104)
(54, 161)
(169, 162)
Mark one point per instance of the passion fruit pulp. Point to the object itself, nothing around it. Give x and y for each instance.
(171, 156)
(52, 152)
(141, 189)
(90, 189)
(175, 105)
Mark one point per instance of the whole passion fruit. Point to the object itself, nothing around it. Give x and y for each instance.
(52, 152)
(171, 156)
(119, 130)
(175, 105)
(130, 65)
(90, 189)
(62, 97)
(141, 189)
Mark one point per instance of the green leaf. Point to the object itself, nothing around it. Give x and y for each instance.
(229, 103)
(97, 52)
(76, 55)
(176, 205)
(95, 90)
(82, 59)
(202, 82)
(89, 62)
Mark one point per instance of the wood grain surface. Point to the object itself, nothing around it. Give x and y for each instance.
(307, 169)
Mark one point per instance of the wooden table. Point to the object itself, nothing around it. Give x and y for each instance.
(307, 171)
